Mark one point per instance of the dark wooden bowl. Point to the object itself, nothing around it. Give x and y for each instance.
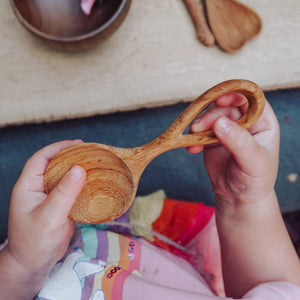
(62, 24)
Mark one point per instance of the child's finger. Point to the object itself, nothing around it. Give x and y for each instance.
(207, 119)
(195, 149)
(239, 142)
(59, 202)
(37, 163)
(232, 105)
(233, 99)
(32, 177)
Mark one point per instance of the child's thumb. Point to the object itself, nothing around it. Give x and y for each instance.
(62, 197)
(238, 141)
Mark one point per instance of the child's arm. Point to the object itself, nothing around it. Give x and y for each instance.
(255, 245)
(39, 229)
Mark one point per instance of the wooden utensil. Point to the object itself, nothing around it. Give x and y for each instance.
(63, 25)
(204, 34)
(113, 173)
(232, 23)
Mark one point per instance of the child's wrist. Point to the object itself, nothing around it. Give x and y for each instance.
(241, 209)
(16, 282)
(30, 276)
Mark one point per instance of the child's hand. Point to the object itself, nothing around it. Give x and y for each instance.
(39, 229)
(243, 167)
(255, 245)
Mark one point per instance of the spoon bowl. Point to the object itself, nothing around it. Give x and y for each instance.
(62, 23)
(103, 169)
(113, 173)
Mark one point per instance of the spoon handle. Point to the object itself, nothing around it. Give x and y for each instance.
(138, 158)
(174, 136)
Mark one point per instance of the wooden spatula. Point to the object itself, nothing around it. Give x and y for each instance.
(232, 23)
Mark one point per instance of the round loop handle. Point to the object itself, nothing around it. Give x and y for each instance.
(249, 89)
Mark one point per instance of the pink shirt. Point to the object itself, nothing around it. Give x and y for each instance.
(176, 256)
(106, 265)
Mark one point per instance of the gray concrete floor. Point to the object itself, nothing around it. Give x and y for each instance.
(179, 173)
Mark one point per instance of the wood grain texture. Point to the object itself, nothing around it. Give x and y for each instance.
(203, 32)
(113, 173)
(232, 23)
(153, 59)
(109, 186)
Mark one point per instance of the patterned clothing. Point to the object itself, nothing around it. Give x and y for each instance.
(160, 249)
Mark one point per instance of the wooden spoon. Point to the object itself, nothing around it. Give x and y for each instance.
(113, 173)
(232, 23)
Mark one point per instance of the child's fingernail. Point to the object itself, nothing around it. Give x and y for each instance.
(223, 125)
(77, 141)
(197, 126)
(76, 172)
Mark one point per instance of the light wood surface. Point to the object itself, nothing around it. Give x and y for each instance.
(113, 173)
(153, 59)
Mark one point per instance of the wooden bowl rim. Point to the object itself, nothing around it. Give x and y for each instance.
(69, 39)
